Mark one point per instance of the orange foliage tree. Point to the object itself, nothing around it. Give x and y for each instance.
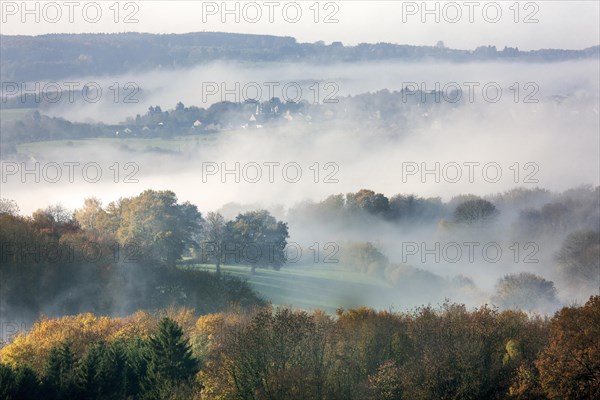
(570, 365)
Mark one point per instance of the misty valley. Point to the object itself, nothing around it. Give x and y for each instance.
(230, 216)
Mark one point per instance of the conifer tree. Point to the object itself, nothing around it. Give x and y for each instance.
(171, 352)
(59, 374)
(171, 359)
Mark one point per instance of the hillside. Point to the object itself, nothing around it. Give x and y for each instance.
(56, 56)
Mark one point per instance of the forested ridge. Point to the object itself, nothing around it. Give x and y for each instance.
(445, 352)
(55, 56)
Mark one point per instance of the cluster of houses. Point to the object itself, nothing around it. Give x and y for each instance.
(256, 120)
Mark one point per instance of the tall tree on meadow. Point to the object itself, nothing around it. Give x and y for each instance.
(158, 226)
(257, 239)
(214, 234)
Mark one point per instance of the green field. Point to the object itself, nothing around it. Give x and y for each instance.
(178, 143)
(309, 287)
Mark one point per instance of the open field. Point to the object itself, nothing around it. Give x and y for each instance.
(176, 144)
(309, 287)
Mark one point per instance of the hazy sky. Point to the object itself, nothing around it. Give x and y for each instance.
(460, 24)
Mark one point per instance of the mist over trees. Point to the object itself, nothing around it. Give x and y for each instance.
(579, 259)
(383, 109)
(526, 291)
(528, 213)
(142, 252)
(474, 212)
(427, 241)
(412, 257)
(109, 261)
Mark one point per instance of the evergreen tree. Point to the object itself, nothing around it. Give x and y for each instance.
(59, 374)
(171, 359)
(113, 372)
(86, 375)
(103, 372)
(19, 383)
(7, 382)
(26, 383)
(137, 358)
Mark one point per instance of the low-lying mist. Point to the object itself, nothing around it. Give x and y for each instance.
(480, 148)
(214, 82)
(477, 148)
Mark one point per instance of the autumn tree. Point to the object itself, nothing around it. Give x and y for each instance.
(365, 339)
(475, 211)
(570, 365)
(89, 215)
(8, 206)
(452, 354)
(59, 214)
(369, 201)
(579, 260)
(527, 291)
(270, 354)
(257, 239)
(364, 257)
(410, 208)
(161, 228)
(386, 384)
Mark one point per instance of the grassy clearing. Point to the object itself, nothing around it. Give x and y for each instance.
(325, 287)
(178, 143)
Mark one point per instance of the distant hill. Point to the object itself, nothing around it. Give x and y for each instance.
(56, 56)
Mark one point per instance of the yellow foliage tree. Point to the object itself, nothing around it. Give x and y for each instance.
(81, 330)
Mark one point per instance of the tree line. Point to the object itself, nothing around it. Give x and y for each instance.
(124, 257)
(63, 55)
(448, 352)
